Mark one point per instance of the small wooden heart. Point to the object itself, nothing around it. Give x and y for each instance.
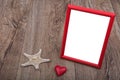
(60, 70)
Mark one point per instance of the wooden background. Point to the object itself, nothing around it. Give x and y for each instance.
(28, 25)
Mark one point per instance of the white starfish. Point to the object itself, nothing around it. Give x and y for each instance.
(35, 60)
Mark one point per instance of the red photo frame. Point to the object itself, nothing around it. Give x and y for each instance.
(66, 29)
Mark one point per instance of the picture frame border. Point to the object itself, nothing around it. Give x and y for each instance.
(92, 11)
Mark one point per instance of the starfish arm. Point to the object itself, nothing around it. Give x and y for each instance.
(36, 66)
(27, 55)
(26, 64)
(39, 53)
(35, 60)
(45, 60)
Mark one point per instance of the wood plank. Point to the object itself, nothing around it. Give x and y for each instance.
(13, 28)
(7, 31)
(110, 67)
(47, 22)
(11, 60)
(116, 6)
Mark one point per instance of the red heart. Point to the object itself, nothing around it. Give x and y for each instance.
(60, 70)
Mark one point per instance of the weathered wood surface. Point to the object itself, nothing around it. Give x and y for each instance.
(28, 25)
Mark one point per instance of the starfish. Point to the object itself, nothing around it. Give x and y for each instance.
(35, 60)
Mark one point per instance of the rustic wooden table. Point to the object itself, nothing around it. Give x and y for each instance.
(28, 25)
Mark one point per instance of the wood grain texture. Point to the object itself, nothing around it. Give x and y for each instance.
(28, 25)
